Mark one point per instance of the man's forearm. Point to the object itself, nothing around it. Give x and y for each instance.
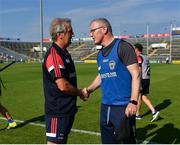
(95, 84)
(68, 88)
(135, 87)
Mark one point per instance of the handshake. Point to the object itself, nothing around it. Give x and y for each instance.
(84, 94)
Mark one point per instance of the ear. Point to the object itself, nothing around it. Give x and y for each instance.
(105, 30)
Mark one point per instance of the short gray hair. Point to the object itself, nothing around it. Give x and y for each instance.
(103, 21)
(58, 26)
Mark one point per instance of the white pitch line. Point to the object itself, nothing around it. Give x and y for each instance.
(73, 130)
(43, 125)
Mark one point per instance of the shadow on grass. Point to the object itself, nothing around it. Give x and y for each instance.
(168, 134)
(159, 107)
(35, 119)
(4, 128)
(142, 132)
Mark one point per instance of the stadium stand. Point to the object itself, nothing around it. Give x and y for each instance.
(7, 55)
(160, 54)
(86, 50)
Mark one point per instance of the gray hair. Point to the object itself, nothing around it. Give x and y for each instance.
(58, 26)
(104, 21)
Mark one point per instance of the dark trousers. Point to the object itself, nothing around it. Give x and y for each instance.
(58, 128)
(116, 128)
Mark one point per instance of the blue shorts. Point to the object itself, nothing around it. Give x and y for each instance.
(116, 128)
(58, 128)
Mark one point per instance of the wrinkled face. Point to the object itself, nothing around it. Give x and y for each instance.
(97, 32)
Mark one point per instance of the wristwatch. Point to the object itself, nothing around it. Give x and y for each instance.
(89, 90)
(133, 102)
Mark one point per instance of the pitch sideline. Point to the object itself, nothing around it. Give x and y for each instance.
(73, 130)
(43, 125)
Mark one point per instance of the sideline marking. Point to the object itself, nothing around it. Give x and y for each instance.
(43, 125)
(76, 130)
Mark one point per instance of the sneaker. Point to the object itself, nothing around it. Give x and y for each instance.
(155, 116)
(138, 117)
(11, 125)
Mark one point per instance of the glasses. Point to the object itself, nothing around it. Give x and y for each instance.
(93, 30)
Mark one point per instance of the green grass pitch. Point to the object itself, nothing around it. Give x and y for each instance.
(24, 99)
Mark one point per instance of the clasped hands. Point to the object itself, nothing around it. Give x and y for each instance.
(84, 94)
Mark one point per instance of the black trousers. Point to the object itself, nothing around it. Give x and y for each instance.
(116, 128)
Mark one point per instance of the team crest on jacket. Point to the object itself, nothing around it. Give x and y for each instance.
(112, 64)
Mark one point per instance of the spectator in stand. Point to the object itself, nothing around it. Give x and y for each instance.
(144, 67)
(167, 60)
